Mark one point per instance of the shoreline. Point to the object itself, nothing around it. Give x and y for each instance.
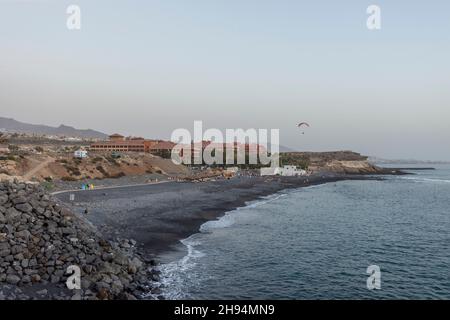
(217, 250)
(159, 216)
(181, 250)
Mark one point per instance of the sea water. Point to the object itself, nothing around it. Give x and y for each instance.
(317, 243)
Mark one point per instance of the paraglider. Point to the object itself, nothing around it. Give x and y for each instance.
(304, 124)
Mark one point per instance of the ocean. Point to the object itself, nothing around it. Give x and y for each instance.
(317, 243)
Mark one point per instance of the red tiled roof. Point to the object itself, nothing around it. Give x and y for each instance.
(123, 143)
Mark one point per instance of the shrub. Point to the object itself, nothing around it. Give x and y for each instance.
(68, 179)
(13, 148)
(112, 161)
(3, 138)
(47, 185)
(294, 160)
(117, 175)
(73, 170)
(102, 171)
(96, 159)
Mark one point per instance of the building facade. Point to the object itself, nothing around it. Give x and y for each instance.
(119, 143)
(81, 154)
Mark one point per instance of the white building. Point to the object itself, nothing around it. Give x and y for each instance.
(287, 171)
(71, 139)
(80, 154)
(270, 171)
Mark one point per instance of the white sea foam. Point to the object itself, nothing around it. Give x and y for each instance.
(229, 218)
(416, 179)
(226, 221)
(174, 274)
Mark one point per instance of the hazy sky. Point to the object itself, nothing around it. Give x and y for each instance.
(149, 67)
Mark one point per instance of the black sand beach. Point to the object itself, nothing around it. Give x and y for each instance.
(158, 216)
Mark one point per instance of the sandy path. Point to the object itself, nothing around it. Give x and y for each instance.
(36, 169)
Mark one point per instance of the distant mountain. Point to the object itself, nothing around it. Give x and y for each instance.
(281, 148)
(11, 125)
(285, 149)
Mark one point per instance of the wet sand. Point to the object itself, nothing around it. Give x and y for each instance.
(159, 216)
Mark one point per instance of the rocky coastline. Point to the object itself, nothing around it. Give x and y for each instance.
(115, 245)
(40, 240)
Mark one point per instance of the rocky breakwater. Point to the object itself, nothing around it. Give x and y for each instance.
(40, 240)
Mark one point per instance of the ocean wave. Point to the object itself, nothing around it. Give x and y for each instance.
(173, 274)
(225, 221)
(228, 219)
(415, 179)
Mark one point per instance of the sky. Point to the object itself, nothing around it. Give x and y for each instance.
(146, 68)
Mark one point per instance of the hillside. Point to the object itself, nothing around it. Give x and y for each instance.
(11, 125)
(50, 166)
(336, 161)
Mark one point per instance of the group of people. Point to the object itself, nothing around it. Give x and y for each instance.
(87, 186)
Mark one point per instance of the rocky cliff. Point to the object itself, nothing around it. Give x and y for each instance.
(338, 162)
